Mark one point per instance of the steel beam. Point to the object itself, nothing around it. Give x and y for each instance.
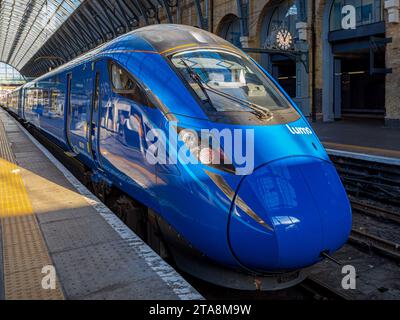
(88, 27)
(100, 20)
(124, 15)
(142, 10)
(94, 23)
(104, 15)
(74, 34)
(70, 39)
(167, 10)
(134, 9)
(89, 34)
(200, 17)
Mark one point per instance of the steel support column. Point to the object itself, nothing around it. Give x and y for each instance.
(243, 13)
(201, 17)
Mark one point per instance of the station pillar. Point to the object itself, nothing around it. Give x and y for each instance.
(392, 102)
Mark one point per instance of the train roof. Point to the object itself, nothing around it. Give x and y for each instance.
(166, 38)
(158, 38)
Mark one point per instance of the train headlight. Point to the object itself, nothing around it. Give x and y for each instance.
(206, 155)
(204, 151)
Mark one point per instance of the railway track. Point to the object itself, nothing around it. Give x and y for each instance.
(374, 243)
(367, 240)
(321, 291)
(374, 191)
(375, 211)
(370, 180)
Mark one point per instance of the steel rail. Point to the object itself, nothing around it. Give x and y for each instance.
(322, 291)
(381, 246)
(374, 211)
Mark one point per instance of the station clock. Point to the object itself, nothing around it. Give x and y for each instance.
(284, 39)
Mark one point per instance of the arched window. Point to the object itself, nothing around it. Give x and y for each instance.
(284, 16)
(279, 32)
(367, 12)
(230, 29)
(9, 75)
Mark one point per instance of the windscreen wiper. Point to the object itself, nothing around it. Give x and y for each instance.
(260, 112)
(197, 79)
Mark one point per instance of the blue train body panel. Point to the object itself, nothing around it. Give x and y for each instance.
(303, 209)
(278, 216)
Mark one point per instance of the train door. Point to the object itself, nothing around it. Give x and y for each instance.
(126, 116)
(80, 98)
(68, 111)
(20, 103)
(94, 116)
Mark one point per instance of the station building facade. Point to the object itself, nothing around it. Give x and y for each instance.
(330, 70)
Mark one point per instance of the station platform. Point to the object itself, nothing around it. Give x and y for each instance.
(53, 231)
(365, 139)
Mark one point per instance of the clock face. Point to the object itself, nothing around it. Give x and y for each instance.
(284, 39)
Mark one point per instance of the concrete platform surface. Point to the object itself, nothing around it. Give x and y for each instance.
(360, 136)
(49, 219)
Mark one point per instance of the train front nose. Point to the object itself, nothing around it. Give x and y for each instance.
(286, 213)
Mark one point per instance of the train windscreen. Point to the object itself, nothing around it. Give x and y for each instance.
(232, 88)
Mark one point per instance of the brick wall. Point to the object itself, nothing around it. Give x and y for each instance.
(320, 8)
(393, 80)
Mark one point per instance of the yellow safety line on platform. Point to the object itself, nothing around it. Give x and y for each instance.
(24, 251)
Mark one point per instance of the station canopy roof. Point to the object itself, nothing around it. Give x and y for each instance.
(26, 25)
(9, 75)
(36, 35)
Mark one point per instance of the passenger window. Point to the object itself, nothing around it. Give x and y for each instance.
(39, 97)
(54, 102)
(45, 98)
(124, 84)
(121, 79)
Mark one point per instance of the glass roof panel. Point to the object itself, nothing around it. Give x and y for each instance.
(25, 25)
(9, 74)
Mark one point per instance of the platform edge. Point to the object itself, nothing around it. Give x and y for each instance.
(170, 276)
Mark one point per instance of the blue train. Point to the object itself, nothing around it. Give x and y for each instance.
(244, 221)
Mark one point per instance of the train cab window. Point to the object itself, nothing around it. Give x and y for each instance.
(121, 79)
(232, 88)
(124, 85)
